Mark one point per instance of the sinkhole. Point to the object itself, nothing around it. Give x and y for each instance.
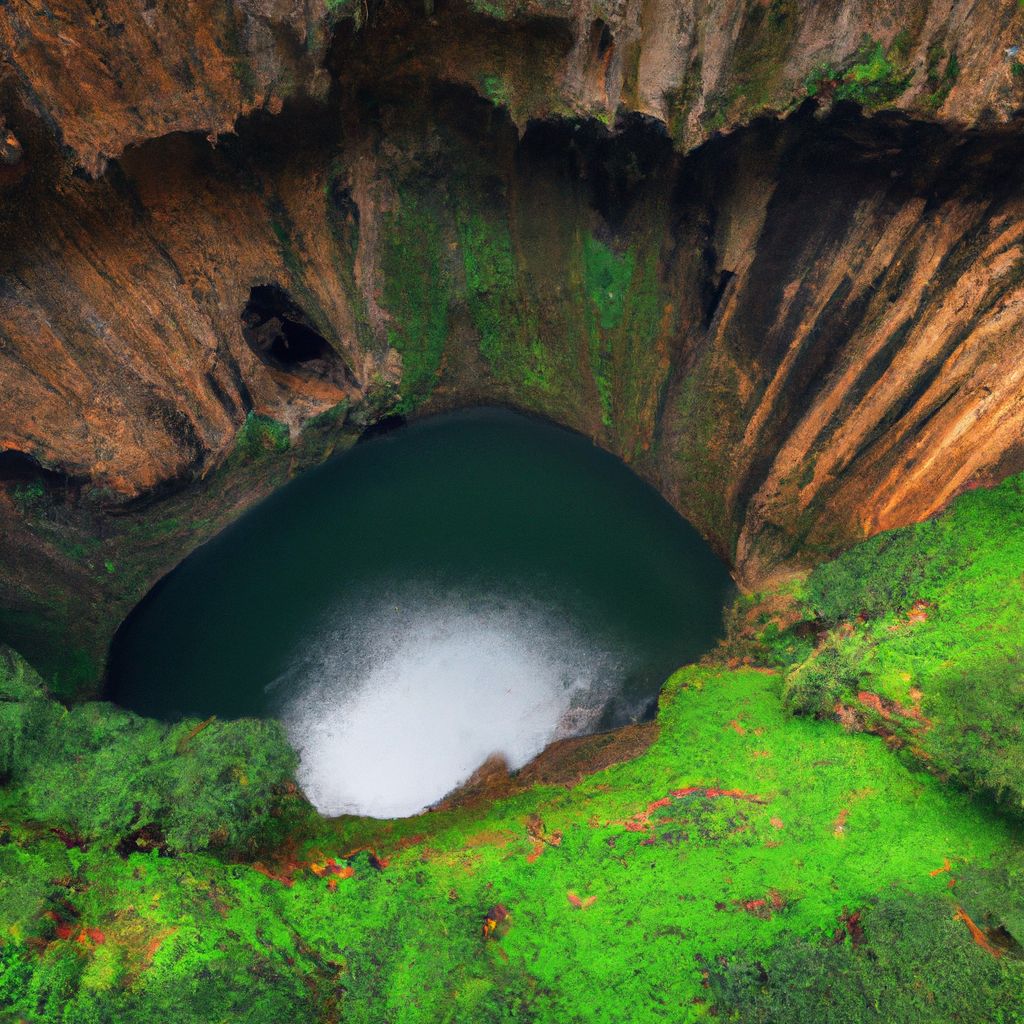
(472, 584)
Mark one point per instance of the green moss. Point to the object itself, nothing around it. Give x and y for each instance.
(161, 528)
(493, 9)
(942, 72)
(508, 336)
(821, 76)
(901, 46)
(606, 278)
(876, 79)
(495, 88)
(80, 550)
(781, 648)
(261, 435)
(962, 649)
(416, 294)
(29, 497)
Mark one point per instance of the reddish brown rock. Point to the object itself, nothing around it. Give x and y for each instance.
(818, 338)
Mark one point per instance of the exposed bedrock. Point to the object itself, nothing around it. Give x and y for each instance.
(801, 332)
(107, 75)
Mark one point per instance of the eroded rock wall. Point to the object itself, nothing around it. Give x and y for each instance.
(107, 75)
(802, 332)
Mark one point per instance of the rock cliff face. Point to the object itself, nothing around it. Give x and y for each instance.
(801, 328)
(108, 75)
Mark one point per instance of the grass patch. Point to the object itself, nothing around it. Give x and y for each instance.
(877, 77)
(931, 615)
(606, 278)
(702, 877)
(508, 337)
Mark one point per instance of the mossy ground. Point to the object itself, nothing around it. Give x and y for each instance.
(753, 864)
(927, 640)
(744, 846)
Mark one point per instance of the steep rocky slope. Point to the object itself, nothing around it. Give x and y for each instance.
(803, 331)
(108, 75)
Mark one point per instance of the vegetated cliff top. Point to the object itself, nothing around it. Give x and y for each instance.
(104, 78)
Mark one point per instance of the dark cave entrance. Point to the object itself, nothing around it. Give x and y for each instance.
(31, 479)
(279, 332)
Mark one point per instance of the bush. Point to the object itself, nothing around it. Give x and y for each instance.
(884, 574)
(956, 665)
(260, 435)
(106, 775)
(979, 739)
(814, 687)
(910, 960)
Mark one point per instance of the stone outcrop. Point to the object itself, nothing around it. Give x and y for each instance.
(111, 75)
(802, 330)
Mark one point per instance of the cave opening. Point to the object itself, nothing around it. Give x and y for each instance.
(445, 591)
(279, 332)
(17, 467)
(28, 476)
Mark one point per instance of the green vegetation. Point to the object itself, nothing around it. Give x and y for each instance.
(757, 62)
(928, 618)
(941, 76)
(416, 294)
(102, 775)
(751, 865)
(902, 956)
(495, 88)
(680, 100)
(821, 76)
(261, 435)
(492, 8)
(877, 76)
(606, 278)
(508, 338)
(29, 497)
(759, 862)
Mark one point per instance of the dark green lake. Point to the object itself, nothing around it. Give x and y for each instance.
(480, 582)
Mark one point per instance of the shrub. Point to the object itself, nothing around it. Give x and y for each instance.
(115, 778)
(260, 435)
(814, 687)
(909, 960)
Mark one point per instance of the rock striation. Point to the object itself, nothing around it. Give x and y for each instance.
(770, 253)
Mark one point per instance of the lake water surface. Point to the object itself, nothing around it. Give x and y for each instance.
(479, 582)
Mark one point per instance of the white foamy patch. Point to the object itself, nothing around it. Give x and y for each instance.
(393, 711)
